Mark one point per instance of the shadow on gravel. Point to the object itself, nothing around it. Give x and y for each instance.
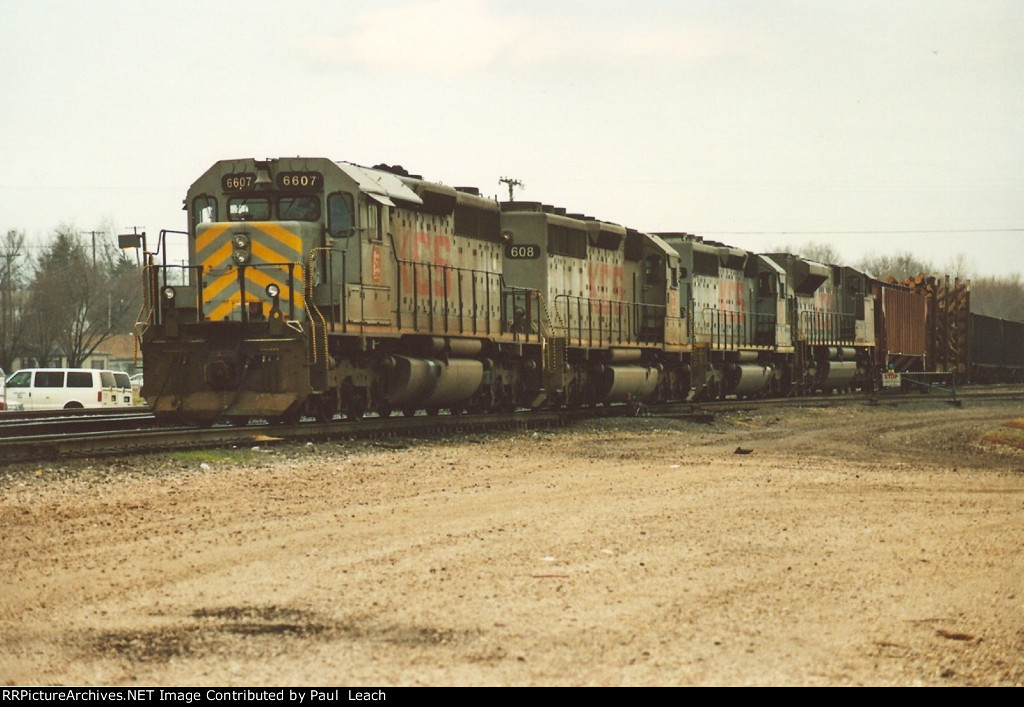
(251, 631)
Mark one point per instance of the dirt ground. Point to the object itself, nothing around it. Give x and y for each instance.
(851, 546)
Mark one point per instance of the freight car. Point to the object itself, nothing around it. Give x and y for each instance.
(997, 350)
(315, 287)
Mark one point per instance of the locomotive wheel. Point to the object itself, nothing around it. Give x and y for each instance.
(409, 412)
(238, 420)
(573, 399)
(355, 404)
(355, 410)
(324, 409)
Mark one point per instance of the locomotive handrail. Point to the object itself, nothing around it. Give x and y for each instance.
(192, 275)
(725, 328)
(630, 331)
(527, 318)
(826, 328)
(443, 273)
(308, 302)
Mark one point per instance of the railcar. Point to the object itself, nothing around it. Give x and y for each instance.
(997, 350)
(608, 301)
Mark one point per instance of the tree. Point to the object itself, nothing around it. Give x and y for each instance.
(12, 269)
(999, 297)
(80, 296)
(821, 253)
(899, 266)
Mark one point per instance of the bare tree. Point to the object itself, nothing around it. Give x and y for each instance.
(999, 297)
(960, 267)
(821, 253)
(12, 269)
(899, 266)
(80, 296)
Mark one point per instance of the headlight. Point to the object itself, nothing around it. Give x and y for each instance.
(273, 290)
(241, 241)
(169, 293)
(240, 256)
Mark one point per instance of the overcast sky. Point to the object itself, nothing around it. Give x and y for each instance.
(874, 126)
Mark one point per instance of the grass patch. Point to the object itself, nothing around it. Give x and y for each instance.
(1011, 434)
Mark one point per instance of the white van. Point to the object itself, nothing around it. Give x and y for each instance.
(4, 403)
(68, 388)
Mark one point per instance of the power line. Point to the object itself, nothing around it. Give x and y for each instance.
(859, 233)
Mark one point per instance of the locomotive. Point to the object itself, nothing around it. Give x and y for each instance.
(315, 288)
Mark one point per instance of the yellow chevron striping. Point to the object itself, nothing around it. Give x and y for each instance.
(259, 279)
(268, 255)
(211, 291)
(279, 233)
(262, 278)
(219, 257)
(204, 239)
(224, 310)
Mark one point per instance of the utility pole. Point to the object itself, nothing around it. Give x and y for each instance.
(93, 234)
(512, 184)
(6, 303)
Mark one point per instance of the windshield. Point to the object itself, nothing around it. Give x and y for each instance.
(249, 209)
(20, 379)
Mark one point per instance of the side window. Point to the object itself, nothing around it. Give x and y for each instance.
(373, 220)
(339, 215)
(655, 269)
(107, 379)
(765, 284)
(204, 210)
(79, 379)
(49, 379)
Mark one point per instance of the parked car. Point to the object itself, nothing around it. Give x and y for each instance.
(68, 388)
(123, 394)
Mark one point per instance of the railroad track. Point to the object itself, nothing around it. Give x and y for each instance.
(29, 437)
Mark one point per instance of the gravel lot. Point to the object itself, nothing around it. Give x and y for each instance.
(851, 546)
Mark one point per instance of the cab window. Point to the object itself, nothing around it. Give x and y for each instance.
(204, 209)
(339, 215)
(249, 209)
(654, 270)
(298, 208)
